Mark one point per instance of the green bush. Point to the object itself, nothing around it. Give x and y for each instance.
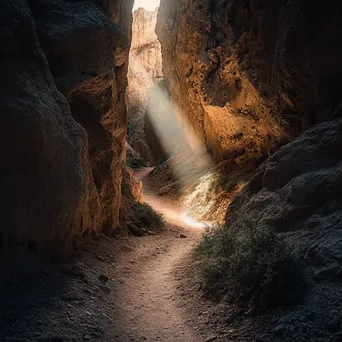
(249, 264)
(224, 181)
(146, 217)
(136, 162)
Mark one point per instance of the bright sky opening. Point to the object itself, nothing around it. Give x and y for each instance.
(149, 5)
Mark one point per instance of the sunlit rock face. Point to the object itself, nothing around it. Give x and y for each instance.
(145, 55)
(253, 75)
(64, 66)
(250, 75)
(145, 70)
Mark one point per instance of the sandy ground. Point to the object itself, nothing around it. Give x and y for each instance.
(130, 289)
(124, 289)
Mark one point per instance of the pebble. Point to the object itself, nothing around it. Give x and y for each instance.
(334, 324)
(77, 271)
(210, 339)
(105, 289)
(103, 277)
(100, 258)
(70, 297)
(182, 236)
(280, 329)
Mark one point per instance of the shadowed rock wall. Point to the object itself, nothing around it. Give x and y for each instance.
(63, 119)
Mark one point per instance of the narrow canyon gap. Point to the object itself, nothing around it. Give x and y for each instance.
(129, 130)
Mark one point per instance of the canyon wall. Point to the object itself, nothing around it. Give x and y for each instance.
(145, 71)
(145, 55)
(251, 75)
(63, 120)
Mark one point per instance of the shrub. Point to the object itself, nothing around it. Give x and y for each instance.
(249, 264)
(163, 159)
(223, 181)
(136, 162)
(146, 217)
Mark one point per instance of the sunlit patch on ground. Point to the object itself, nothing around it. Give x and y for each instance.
(206, 190)
(189, 221)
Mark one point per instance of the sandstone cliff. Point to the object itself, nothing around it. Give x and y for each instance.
(145, 71)
(250, 75)
(145, 55)
(64, 66)
(254, 75)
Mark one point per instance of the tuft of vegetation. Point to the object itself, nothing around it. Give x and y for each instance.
(136, 162)
(251, 265)
(224, 181)
(163, 159)
(146, 217)
(135, 126)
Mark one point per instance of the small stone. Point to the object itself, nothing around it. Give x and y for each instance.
(311, 316)
(252, 311)
(210, 339)
(182, 236)
(101, 258)
(86, 290)
(280, 329)
(105, 289)
(334, 324)
(71, 297)
(77, 271)
(103, 278)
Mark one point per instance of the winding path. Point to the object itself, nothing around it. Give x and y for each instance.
(115, 290)
(149, 307)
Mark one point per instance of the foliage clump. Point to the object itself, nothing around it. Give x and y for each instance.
(146, 217)
(249, 264)
(136, 162)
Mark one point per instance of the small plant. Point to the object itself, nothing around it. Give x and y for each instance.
(224, 182)
(146, 217)
(163, 159)
(136, 162)
(249, 264)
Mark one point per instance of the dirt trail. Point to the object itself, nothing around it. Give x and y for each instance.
(115, 290)
(151, 300)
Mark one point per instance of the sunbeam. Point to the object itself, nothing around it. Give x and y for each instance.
(174, 132)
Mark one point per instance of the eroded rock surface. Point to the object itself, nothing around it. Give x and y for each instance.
(43, 176)
(297, 192)
(145, 70)
(64, 66)
(251, 74)
(88, 55)
(145, 55)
